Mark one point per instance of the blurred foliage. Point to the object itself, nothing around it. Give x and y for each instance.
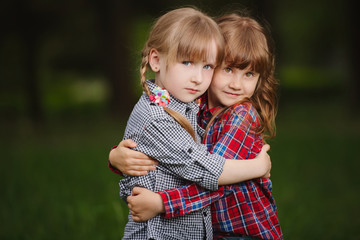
(69, 38)
(59, 60)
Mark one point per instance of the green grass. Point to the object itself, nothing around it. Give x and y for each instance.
(55, 183)
(314, 171)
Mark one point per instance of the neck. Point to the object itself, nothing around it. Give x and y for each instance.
(157, 80)
(210, 101)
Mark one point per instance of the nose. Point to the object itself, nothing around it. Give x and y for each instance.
(197, 76)
(236, 83)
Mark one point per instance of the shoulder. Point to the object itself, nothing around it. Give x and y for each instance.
(245, 109)
(148, 109)
(243, 114)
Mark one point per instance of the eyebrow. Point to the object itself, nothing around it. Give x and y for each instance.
(211, 62)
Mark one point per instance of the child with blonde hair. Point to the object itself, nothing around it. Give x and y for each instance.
(237, 110)
(183, 48)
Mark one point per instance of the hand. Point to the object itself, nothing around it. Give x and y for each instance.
(144, 204)
(129, 161)
(264, 157)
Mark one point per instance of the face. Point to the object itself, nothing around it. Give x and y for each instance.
(186, 80)
(231, 85)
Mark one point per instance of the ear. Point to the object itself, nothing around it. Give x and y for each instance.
(154, 60)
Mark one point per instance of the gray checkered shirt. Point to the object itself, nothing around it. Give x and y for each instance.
(181, 159)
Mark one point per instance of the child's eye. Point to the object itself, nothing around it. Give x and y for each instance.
(228, 70)
(209, 66)
(186, 63)
(249, 74)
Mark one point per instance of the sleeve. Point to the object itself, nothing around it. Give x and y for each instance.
(236, 140)
(170, 144)
(187, 199)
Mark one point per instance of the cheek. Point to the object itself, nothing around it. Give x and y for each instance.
(208, 78)
(218, 81)
(251, 89)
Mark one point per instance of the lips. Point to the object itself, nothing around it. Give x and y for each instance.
(192, 90)
(232, 94)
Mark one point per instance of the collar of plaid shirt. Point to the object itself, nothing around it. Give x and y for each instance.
(205, 114)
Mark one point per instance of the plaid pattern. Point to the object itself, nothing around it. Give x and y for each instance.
(246, 208)
(182, 161)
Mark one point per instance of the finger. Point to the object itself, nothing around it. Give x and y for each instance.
(136, 218)
(136, 191)
(137, 173)
(141, 168)
(142, 157)
(128, 143)
(266, 148)
(138, 160)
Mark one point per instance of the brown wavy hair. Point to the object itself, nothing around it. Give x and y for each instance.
(182, 34)
(248, 44)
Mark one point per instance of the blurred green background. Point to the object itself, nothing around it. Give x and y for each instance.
(69, 78)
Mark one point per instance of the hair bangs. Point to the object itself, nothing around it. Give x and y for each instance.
(246, 45)
(197, 43)
(195, 48)
(248, 50)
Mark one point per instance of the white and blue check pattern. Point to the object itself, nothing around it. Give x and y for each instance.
(182, 160)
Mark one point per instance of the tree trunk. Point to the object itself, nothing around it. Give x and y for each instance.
(29, 33)
(354, 51)
(114, 17)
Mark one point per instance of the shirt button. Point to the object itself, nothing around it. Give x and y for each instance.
(190, 150)
(177, 211)
(205, 214)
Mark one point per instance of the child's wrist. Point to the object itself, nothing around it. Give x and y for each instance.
(159, 204)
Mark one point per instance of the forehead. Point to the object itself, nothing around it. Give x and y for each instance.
(208, 53)
(212, 52)
(244, 66)
(201, 50)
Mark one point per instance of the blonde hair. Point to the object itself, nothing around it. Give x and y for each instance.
(182, 34)
(248, 44)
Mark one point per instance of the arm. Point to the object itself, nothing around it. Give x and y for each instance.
(134, 163)
(239, 171)
(145, 204)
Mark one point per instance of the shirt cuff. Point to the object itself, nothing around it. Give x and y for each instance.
(172, 203)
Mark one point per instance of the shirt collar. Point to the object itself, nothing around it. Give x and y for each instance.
(174, 103)
(203, 104)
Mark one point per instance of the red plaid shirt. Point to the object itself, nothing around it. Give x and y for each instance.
(246, 208)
